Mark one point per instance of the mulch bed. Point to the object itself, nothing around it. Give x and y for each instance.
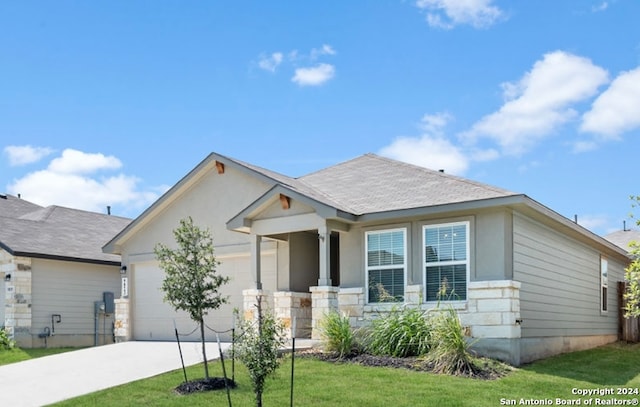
(198, 385)
(485, 369)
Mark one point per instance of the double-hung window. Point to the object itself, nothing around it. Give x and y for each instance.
(446, 261)
(386, 260)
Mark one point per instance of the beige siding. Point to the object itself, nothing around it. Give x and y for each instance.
(211, 201)
(70, 289)
(560, 294)
(490, 247)
(153, 318)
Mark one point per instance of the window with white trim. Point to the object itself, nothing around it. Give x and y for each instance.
(446, 261)
(604, 283)
(386, 262)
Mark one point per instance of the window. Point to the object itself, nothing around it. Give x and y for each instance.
(446, 261)
(604, 284)
(386, 265)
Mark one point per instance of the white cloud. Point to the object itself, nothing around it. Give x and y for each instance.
(540, 102)
(432, 149)
(22, 155)
(314, 76)
(324, 50)
(65, 182)
(615, 111)
(77, 162)
(450, 13)
(271, 62)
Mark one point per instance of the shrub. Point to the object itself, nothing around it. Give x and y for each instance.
(6, 343)
(337, 334)
(450, 351)
(402, 332)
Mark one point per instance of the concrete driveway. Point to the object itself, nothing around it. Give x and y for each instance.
(50, 379)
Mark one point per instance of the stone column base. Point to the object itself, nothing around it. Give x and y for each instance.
(351, 302)
(324, 299)
(122, 324)
(289, 305)
(250, 303)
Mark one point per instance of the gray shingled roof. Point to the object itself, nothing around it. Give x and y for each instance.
(622, 238)
(14, 207)
(57, 232)
(371, 184)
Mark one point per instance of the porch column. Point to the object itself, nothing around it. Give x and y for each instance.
(324, 239)
(256, 240)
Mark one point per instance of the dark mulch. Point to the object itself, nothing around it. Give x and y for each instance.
(198, 385)
(486, 369)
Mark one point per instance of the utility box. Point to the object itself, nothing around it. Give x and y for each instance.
(109, 303)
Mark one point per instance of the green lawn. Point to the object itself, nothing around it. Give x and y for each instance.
(18, 355)
(325, 384)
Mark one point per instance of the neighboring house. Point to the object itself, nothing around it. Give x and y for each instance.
(53, 271)
(372, 233)
(623, 238)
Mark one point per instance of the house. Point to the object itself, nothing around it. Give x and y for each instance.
(53, 272)
(372, 233)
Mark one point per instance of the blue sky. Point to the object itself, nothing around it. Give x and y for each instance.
(110, 103)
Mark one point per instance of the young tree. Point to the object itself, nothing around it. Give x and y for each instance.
(191, 280)
(632, 278)
(258, 345)
(632, 274)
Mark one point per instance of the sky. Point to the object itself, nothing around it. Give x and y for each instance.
(111, 103)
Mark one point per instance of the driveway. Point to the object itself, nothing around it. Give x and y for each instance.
(50, 379)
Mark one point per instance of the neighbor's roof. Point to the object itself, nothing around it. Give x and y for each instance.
(622, 238)
(56, 232)
(14, 207)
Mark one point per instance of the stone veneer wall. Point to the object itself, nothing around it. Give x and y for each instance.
(17, 298)
(351, 302)
(288, 305)
(324, 299)
(122, 324)
(493, 309)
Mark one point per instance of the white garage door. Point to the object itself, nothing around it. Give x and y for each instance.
(153, 319)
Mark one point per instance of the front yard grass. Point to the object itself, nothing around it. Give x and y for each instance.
(320, 383)
(18, 355)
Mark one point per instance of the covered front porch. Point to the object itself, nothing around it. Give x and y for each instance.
(308, 253)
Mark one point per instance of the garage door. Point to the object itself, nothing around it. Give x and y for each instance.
(153, 319)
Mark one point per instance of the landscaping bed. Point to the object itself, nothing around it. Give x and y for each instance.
(484, 368)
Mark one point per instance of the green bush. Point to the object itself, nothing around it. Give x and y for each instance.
(337, 334)
(450, 351)
(402, 332)
(6, 343)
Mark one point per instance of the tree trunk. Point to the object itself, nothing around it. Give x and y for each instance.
(258, 399)
(204, 350)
